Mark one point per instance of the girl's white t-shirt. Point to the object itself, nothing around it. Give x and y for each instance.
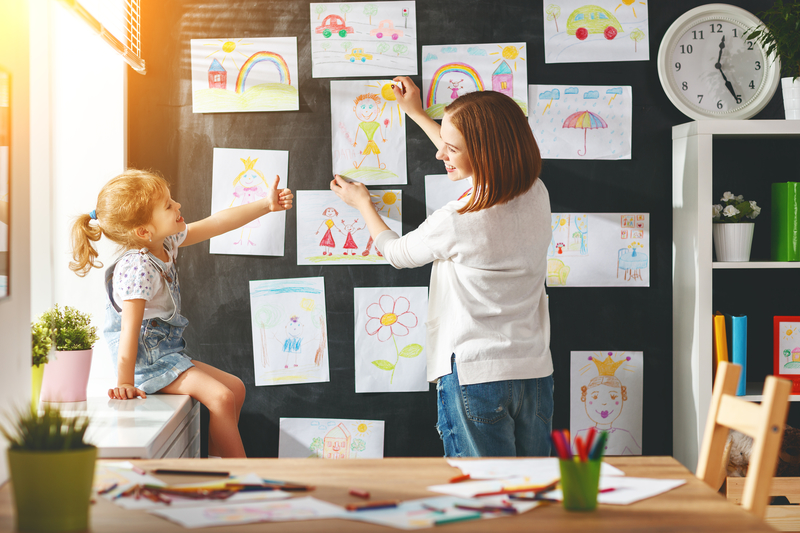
(136, 278)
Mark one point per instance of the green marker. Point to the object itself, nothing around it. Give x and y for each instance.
(461, 518)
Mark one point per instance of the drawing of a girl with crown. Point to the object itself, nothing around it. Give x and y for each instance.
(249, 186)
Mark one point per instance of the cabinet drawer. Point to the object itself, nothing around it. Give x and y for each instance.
(187, 431)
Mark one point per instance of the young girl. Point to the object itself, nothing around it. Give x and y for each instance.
(488, 323)
(143, 325)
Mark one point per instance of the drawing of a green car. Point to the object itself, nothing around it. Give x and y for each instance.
(358, 53)
(592, 19)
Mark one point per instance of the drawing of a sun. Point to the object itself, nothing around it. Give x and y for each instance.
(362, 428)
(789, 332)
(391, 101)
(386, 201)
(307, 304)
(227, 48)
(629, 3)
(510, 52)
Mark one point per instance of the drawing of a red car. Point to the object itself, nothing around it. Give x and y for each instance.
(333, 24)
(386, 28)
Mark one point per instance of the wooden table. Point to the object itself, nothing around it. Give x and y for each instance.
(691, 507)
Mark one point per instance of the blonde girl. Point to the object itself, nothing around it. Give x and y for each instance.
(143, 324)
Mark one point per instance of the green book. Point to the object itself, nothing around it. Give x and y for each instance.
(786, 221)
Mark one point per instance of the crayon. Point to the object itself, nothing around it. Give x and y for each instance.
(452, 519)
(459, 479)
(170, 471)
(360, 493)
(368, 506)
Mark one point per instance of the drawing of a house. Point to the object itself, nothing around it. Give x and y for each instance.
(503, 80)
(796, 354)
(336, 444)
(217, 76)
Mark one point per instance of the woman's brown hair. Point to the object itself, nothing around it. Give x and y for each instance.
(503, 154)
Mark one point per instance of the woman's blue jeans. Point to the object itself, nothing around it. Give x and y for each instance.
(510, 418)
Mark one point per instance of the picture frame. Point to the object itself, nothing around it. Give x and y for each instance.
(786, 335)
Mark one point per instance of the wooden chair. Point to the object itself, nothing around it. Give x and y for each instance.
(764, 423)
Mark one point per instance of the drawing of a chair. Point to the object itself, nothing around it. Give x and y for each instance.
(557, 272)
(621, 255)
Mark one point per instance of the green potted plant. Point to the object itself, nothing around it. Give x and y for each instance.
(41, 343)
(51, 468)
(733, 227)
(778, 35)
(66, 373)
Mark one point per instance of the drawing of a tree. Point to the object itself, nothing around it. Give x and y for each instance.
(266, 318)
(346, 45)
(553, 11)
(358, 445)
(388, 319)
(319, 10)
(369, 10)
(637, 35)
(316, 447)
(325, 46)
(345, 9)
(400, 49)
(383, 47)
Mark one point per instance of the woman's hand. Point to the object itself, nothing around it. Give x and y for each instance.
(408, 98)
(278, 200)
(125, 391)
(353, 193)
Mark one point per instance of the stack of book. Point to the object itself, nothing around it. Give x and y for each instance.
(730, 344)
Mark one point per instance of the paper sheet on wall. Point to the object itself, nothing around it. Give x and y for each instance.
(240, 177)
(599, 250)
(331, 438)
(390, 334)
(607, 30)
(244, 74)
(581, 121)
(330, 232)
(290, 331)
(449, 71)
(440, 190)
(612, 400)
(368, 132)
(377, 39)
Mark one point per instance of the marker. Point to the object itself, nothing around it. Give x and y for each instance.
(360, 493)
(459, 479)
(433, 509)
(107, 489)
(488, 509)
(137, 470)
(368, 506)
(461, 518)
(189, 472)
(609, 489)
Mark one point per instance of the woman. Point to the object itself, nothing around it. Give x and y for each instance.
(489, 327)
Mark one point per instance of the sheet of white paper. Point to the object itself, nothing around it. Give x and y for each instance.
(390, 333)
(470, 489)
(581, 121)
(331, 438)
(376, 39)
(788, 347)
(607, 30)
(244, 74)
(448, 71)
(240, 177)
(612, 401)
(368, 132)
(330, 232)
(539, 468)
(306, 508)
(290, 331)
(627, 490)
(440, 190)
(599, 250)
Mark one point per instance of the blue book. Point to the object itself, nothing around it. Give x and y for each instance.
(737, 347)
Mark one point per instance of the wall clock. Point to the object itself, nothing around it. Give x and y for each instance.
(709, 70)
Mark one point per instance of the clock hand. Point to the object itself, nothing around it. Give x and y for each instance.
(729, 85)
(721, 47)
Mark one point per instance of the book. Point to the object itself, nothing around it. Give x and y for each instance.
(736, 327)
(785, 221)
(720, 340)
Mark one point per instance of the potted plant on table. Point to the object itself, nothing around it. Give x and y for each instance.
(41, 343)
(733, 229)
(51, 469)
(778, 34)
(66, 374)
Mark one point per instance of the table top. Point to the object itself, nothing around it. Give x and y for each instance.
(691, 507)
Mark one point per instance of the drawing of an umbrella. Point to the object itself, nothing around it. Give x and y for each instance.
(585, 120)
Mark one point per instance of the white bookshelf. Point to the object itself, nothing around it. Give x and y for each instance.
(692, 271)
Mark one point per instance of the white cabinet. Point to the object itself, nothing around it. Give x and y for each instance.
(693, 268)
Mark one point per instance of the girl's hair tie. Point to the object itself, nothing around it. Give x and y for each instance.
(93, 215)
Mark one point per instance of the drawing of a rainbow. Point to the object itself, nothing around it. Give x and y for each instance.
(447, 69)
(258, 57)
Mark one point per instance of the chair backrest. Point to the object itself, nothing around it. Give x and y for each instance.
(764, 423)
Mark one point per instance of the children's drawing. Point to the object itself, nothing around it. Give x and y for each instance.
(363, 39)
(390, 339)
(247, 74)
(240, 177)
(331, 232)
(368, 132)
(610, 30)
(451, 71)
(441, 190)
(327, 438)
(562, 116)
(606, 391)
(789, 347)
(289, 331)
(597, 250)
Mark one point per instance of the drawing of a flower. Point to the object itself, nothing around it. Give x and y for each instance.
(390, 318)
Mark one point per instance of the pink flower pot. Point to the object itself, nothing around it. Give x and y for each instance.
(66, 376)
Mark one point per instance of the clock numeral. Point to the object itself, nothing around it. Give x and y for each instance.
(717, 26)
(735, 34)
(738, 98)
(752, 85)
(758, 65)
(694, 34)
(677, 66)
(686, 49)
(684, 86)
(749, 45)
(719, 104)
(699, 98)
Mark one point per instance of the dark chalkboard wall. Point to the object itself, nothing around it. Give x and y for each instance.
(164, 135)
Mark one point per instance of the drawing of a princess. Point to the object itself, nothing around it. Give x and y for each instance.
(247, 188)
(454, 88)
(327, 239)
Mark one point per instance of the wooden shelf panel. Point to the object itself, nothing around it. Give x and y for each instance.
(754, 390)
(755, 264)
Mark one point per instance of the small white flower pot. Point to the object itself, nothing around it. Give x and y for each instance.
(732, 241)
(791, 97)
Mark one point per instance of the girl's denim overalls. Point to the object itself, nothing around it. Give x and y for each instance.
(161, 356)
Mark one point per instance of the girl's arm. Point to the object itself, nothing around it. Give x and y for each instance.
(236, 217)
(410, 102)
(356, 195)
(132, 316)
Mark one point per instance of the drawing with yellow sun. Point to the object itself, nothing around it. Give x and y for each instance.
(227, 48)
(510, 53)
(789, 345)
(631, 4)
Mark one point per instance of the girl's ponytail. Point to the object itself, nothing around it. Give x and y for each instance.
(84, 233)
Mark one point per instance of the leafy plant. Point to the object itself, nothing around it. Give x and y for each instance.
(47, 430)
(779, 34)
(41, 343)
(735, 209)
(69, 328)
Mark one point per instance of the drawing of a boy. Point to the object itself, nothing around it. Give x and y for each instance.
(366, 110)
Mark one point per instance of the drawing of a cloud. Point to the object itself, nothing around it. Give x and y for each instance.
(449, 49)
(571, 90)
(614, 90)
(476, 51)
(555, 94)
(591, 95)
(430, 57)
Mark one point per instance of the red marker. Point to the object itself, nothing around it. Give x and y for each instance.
(360, 493)
(370, 505)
